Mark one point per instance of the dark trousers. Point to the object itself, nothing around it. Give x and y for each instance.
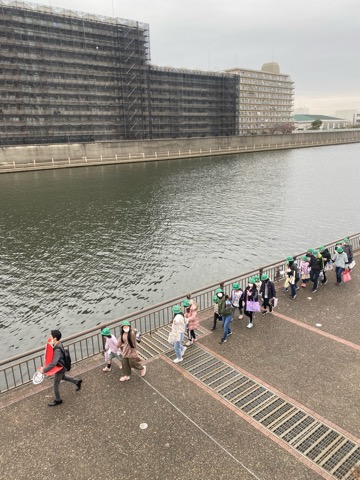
(216, 318)
(314, 277)
(57, 379)
(339, 271)
(250, 315)
(324, 276)
(192, 335)
(267, 303)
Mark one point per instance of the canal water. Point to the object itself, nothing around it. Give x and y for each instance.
(86, 245)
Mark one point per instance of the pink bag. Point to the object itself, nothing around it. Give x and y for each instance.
(346, 276)
(252, 306)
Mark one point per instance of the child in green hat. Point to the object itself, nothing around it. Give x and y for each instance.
(110, 348)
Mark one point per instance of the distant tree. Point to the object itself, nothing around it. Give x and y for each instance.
(316, 124)
(282, 128)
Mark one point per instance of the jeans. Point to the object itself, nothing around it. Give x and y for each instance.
(179, 348)
(293, 288)
(314, 277)
(339, 271)
(226, 325)
(57, 379)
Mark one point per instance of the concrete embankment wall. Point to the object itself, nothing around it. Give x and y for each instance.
(171, 147)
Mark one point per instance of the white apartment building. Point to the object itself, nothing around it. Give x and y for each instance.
(266, 98)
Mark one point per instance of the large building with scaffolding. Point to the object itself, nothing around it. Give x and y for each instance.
(73, 77)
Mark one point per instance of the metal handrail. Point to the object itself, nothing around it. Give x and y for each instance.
(18, 370)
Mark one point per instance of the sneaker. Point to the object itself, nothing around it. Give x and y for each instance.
(313, 291)
(124, 379)
(250, 325)
(264, 313)
(178, 360)
(303, 285)
(184, 350)
(324, 283)
(285, 290)
(230, 333)
(54, 403)
(241, 317)
(143, 372)
(78, 385)
(107, 369)
(293, 296)
(213, 328)
(296, 287)
(223, 341)
(188, 343)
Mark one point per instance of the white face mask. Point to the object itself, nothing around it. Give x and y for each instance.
(251, 285)
(126, 329)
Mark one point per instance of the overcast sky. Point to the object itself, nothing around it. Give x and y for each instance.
(317, 42)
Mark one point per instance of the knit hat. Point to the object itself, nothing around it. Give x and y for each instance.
(236, 286)
(186, 303)
(106, 332)
(264, 277)
(176, 309)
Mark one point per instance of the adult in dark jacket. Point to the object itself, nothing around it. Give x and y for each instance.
(348, 249)
(316, 267)
(267, 292)
(59, 359)
(326, 259)
(250, 294)
(226, 312)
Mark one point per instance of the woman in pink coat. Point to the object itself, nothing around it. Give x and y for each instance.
(192, 319)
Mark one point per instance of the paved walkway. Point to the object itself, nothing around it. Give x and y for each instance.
(193, 431)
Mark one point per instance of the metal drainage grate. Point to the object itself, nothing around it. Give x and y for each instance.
(321, 444)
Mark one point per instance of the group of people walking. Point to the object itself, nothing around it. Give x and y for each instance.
(313, 267)
(260, 293)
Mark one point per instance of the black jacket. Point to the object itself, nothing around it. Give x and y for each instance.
(314, 263)
(254, 295)
(271, 289)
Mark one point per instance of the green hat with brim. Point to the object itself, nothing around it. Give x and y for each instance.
(219, 290)
(176, 309)
(316, 252)
(346, 240)
(310, 250)
(264, 277)
(236, 286)
(215, 299)
(256, 278)
(125, 323)
(339, 250)
(251, 280)
(289, 259)
(305, 258)
(321, 248)
(106, 332)
(186, 303)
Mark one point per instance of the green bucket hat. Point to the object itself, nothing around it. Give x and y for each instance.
(256, 278)
(186, 303)
(251, 280)
(310, 250)
(264, 277)
(125, 323)
(176, 309)
(215, 299)
(321, 248)
(315, 252)
(346, 240)
(305, 258)
(106, 332)
(338, 243)
(339, 250)
(236, 286)
(289, 259)
(218, 290)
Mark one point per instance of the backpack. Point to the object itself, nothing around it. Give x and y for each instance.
(67, 359)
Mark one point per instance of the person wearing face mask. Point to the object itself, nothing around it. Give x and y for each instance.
(130, 357)
(250, 294)
(226, 312)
